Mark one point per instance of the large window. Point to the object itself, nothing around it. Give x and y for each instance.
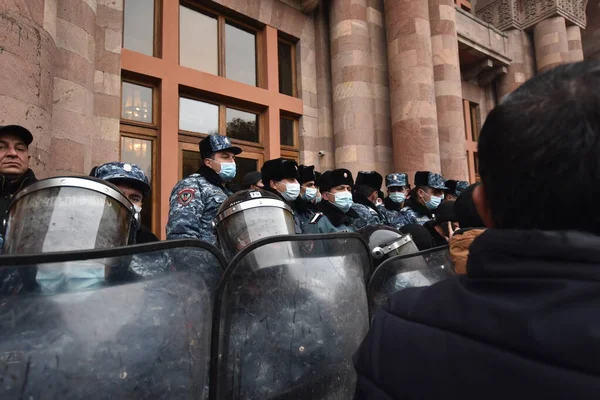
(472, 117)
(198, 116)
(138, 26)
(198, 40)
(242, 125)
(286, 61)
(136, 102)
(212, 43)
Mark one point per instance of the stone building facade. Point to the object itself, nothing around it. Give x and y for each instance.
(384, 85)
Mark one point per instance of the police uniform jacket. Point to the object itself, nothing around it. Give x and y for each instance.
(303, 212)
(396, 215)
(418, 214)
(194, 204)
(330, 219)
(368, 211)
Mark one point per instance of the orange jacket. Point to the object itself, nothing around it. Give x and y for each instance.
(459, 248)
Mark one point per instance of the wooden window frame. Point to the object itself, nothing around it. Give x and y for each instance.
(157, 29)
(470, 143)
(292, 45)
(296, 134)
(155, 103)
(222, 20)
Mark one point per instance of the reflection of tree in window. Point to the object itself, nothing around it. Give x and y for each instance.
(243, 130)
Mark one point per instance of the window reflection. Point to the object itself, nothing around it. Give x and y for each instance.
(198, 41)
(138, 26)
(240, 55)
(191, 162)
(286, 81)
(242, 125)
(286, 131)
(198, 116)
(136, 102)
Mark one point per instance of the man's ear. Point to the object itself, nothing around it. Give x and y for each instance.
(273, 184)
(482, 206)
(207, 162)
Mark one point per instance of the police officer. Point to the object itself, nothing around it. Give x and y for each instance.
(252, 180)
(304, 206)
(427, 196)
(280, 176)
(455, 188)
(196, 199)
(134, 184)
(365, 194)
(14, 165)
(335, 212)
(393, 206)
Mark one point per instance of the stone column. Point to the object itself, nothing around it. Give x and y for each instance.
(382, 118)
(353, 105)
(412, 91)
(323, 64)
(448, 89)
(27, 46)
(575, 47)
(521, 68)
(551, 44)
(73, 97)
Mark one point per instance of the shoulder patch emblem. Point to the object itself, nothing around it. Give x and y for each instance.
(185, 196)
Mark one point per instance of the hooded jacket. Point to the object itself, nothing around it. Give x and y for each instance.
(523, 324)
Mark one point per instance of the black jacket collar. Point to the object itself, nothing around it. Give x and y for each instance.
(418, 207)
(10, 187)
(535, 254)
(336, 216)
(211, 176)
(301, 205)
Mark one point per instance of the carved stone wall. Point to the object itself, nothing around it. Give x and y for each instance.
(523, 14)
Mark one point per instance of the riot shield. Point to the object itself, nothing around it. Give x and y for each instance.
(413, 270)
(141, 330)
(289, 314)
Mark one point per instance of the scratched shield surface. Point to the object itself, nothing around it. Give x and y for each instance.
(291, 315)
(405, 271)
(142, 332)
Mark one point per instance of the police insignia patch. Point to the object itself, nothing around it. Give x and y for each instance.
(185, 196)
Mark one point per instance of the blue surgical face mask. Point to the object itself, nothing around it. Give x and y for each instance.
(343, 201)
(227, 171)
(309, 194)
(291, 192)
(397, 197)
(70, 277)
(434, 202)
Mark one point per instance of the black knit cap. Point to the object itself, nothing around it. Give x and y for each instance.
(278, 169)
(371, 179)
(337, 177)
(306, 173)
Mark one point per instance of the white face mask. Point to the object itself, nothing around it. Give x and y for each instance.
(292, 191)
(137, 209)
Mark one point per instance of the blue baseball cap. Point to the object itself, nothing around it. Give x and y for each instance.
(121, 171)
(216, 143)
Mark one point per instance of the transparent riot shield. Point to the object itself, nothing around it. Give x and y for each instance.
(413, 270)
(125, 323)
(290, 312)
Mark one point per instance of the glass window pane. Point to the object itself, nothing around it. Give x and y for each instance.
(197, 116)
(138, 26)
(286, 131)
(243, 166)
(198, 41)
(240, 55)
(286, 81)
(139, 152)
(191, 162)
(136, 102)
(242, 125)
